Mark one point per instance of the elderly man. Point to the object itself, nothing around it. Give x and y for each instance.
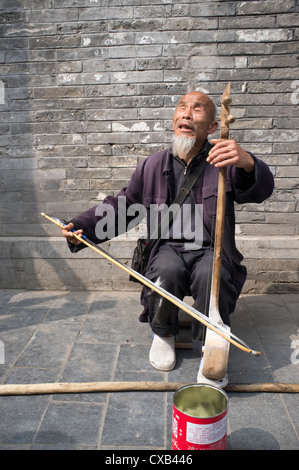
(180, 264)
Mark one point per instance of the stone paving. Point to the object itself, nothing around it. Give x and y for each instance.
(96, 336)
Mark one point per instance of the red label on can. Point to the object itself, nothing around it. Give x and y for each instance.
(190, 433)
(199, 418)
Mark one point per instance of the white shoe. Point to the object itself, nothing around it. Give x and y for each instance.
(162, 353)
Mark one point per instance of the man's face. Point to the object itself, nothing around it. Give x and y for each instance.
(194, 117)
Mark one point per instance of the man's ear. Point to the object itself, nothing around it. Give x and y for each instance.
(213, 127)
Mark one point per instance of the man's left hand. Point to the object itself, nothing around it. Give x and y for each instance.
(228, 152)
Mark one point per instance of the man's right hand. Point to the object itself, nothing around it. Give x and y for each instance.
(69, 235)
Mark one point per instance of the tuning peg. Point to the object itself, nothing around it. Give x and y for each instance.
(230, 119)
(226, 100)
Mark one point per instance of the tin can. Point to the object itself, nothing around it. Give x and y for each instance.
(199, 418)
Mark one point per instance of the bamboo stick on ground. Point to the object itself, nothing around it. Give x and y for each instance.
(94, 387)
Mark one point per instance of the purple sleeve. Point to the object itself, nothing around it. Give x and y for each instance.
(255, 186)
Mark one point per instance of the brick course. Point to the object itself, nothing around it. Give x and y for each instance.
(90, 87)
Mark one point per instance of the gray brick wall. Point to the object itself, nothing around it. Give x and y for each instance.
(88, 89)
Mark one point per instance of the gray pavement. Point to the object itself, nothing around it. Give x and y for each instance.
(96, 336)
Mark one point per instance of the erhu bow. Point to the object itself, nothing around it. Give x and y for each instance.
(209, 323)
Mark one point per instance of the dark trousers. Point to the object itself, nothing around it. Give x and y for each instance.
(181, 274)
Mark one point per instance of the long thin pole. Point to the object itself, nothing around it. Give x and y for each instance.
(94, 387)
(225, 120)
(167, 295)
(215, 359)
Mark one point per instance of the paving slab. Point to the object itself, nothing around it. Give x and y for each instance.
(57, 336)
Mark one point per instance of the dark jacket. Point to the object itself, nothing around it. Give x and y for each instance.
(151, 183)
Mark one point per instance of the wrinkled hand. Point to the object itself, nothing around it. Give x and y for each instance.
(69, 235)
(227, 152)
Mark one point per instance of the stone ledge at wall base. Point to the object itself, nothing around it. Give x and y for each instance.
(46, 263)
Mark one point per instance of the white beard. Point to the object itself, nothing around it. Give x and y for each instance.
(182, 145)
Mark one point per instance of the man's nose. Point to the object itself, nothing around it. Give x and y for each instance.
(187, 113)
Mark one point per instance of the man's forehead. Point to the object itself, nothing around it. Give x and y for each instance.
(194, 97)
